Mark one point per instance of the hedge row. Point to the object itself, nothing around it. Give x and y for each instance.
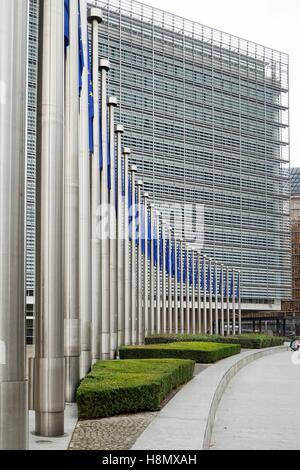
(204, 353)
(115, 387)
(247, 341)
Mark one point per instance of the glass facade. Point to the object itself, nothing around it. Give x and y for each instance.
(206, 117)
(295, 181)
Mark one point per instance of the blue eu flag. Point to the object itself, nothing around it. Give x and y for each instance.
(91, 100)
(80, 52)
(67, 22)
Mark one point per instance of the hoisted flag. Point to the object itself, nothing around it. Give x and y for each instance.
(191, 268)
(168, 270)
(67, 22)
(178, 274)
(231, 286)
(185, 265)
(202, 275)
(80, 52)
(91, 99)
(173, 259)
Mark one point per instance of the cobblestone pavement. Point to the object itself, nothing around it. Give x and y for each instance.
(116, 433)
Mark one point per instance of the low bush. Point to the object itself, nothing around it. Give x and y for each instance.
(201, 352)
(130, 386)
(247, 341)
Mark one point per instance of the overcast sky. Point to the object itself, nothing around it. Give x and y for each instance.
(272, 23)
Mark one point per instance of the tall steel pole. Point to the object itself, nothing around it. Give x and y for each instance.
(239, 302)
(133, 289)
(181, 303)
(233, 303)
(187, 293)
(222, 299)
(119, 130)
(126, 279)
(204, 296)
(85, 290)
(71, 210)
(95, 18)
(146, 267)
(175, 322)
(170, 287)
(216, 300)
(210, 298)
(193, 300)
(199, 303)
(163, 280)
(49, 390)
(13, 387)
(158, 277)
(140, 319)
(113, 306)
(227, 302)
(104, 66)
(152, 270)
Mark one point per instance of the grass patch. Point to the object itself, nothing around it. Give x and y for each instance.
(130, 386)
(202, 352)
(247, 341)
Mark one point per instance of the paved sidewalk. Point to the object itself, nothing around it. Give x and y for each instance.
(260, 407)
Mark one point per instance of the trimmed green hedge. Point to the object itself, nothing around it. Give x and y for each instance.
(247, 341)
(115, 387)
(199, 352)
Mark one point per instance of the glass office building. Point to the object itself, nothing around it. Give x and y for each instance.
(207, 119)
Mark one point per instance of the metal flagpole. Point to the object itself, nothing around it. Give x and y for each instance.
(239, 302)
(163, 276)
(152, 270)
(233, 304)
(170, 293)
(126, 280)
(216, 301)
(71, 210)
(199, 295)
(158, 276)
(175, 317)
(119, 130)
(13, 385)
(133, 289)
(210, 298)
(140, 322)
(49, 392)
(187, 293)
(95, 18)
(222, 299)
(204, 296)
(104, 66)
(227, 302)
(181, 288)
(193, 306)
(84, 211)
(146, 269)
(113, 306)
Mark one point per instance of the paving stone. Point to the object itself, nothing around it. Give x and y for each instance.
(116, 433)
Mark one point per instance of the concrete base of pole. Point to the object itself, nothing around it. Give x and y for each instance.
(72, 368)
(14, 416)
(49, 424)
(85, 363)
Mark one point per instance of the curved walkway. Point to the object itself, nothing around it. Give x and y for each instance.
(260, 408)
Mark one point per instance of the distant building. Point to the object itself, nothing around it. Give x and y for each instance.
(295, 227)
